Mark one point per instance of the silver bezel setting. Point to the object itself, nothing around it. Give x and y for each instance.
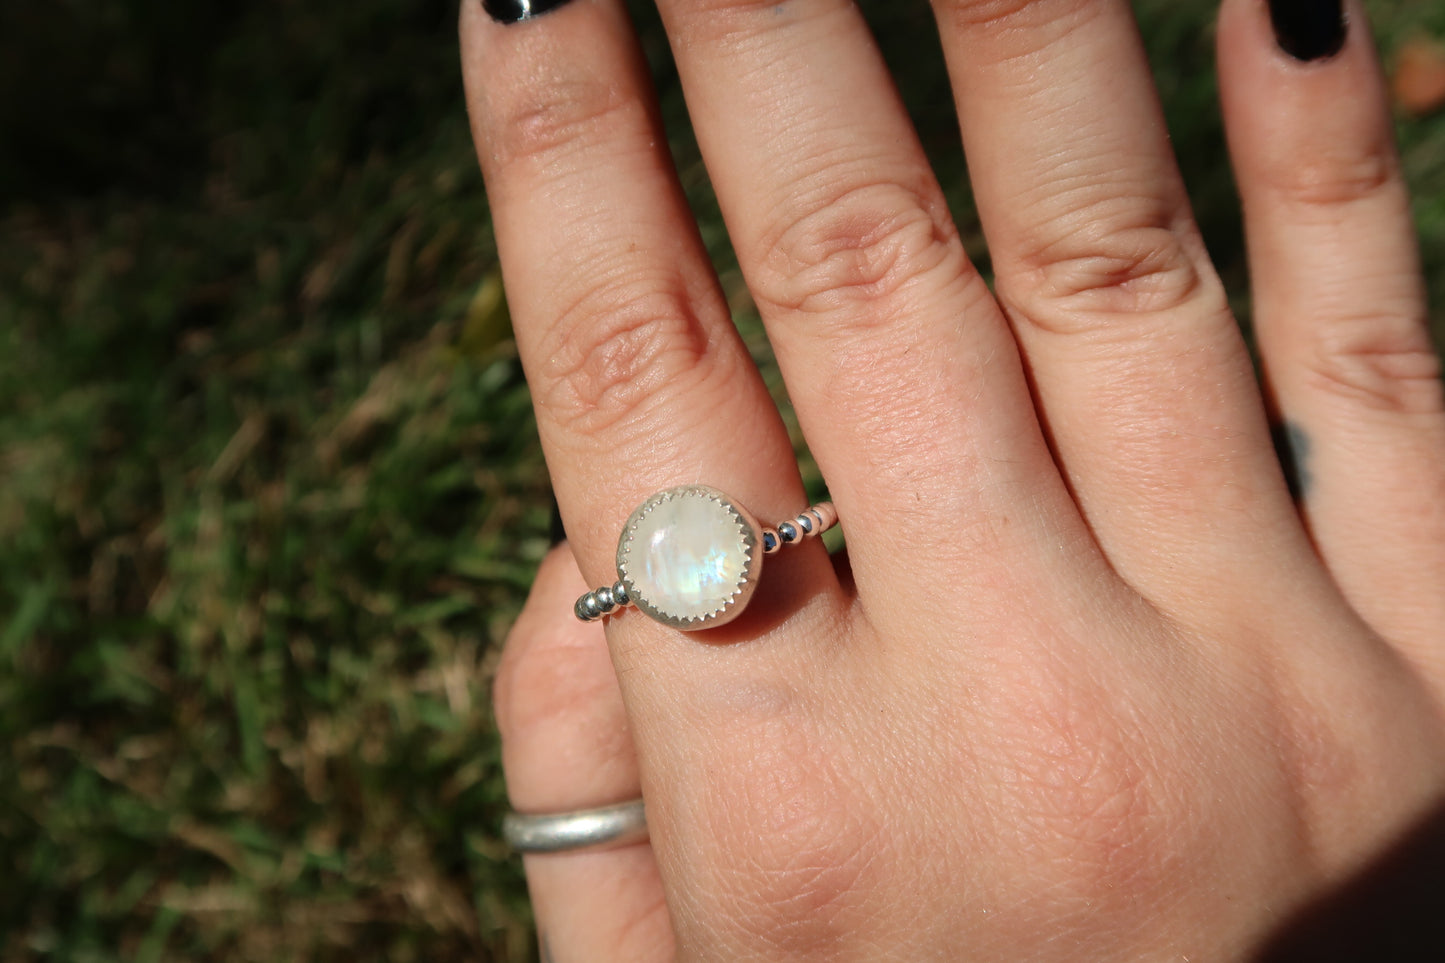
(750, 542)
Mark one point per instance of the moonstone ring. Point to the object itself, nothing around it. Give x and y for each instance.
(690, 557)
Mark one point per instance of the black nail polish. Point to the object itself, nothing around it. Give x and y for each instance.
(559, 534)
(510, 11)
(1308, 29)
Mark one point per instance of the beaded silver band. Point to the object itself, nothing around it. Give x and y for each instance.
(737, 553)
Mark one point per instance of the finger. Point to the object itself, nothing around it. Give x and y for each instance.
(639, 380)
(565, 746)
(906, 381)
(1340, 306)
(1139, 370)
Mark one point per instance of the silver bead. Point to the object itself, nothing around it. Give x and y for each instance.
(604, 599)
(619, 594)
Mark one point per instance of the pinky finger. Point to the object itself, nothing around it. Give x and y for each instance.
(566, 746)
(1340, 306)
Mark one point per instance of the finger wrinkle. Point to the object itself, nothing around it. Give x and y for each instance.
(547, 121)
(1332, 178)
(1101, 270)
(610, 352)
(866, 243)
(1008, 30)
(1090, 183)
(1383, 365)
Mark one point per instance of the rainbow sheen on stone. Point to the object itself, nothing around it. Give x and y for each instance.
(687, 555)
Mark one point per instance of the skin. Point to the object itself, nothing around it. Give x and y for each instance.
(1091, 684)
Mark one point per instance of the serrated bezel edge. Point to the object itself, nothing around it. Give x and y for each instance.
(752, 544)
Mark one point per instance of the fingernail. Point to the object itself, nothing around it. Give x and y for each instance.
(510, 11)
(559, 534)
(1308, 29)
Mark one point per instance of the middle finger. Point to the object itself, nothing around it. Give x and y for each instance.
(905, 378)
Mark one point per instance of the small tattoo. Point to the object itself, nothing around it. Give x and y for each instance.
(1292, 446)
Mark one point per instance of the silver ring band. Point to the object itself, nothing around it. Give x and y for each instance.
(603, 828)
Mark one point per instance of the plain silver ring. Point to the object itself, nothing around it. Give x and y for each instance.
(606, 827)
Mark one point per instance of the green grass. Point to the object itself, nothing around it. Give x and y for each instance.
(270, 491)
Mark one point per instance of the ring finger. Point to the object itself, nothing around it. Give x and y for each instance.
(639, 379)
(905, 378)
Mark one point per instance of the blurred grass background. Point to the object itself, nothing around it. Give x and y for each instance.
(270, 492)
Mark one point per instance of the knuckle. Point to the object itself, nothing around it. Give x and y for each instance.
(1015, 33)
(995, 14)
(866, 245)
(1065, 285)
(1386, 365)
(1335, 176)
(560, 115)
(610, 352)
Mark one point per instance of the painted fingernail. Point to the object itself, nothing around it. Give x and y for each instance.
(510, 11)
(1308, 29)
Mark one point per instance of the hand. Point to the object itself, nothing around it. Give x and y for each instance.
(1091, 685)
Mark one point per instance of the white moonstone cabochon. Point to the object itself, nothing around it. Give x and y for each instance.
(687, 556)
